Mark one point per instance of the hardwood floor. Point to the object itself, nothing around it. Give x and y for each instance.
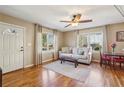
(39, 76)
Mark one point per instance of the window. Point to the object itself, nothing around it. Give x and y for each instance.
(47, 41)
(83, 40)
(96, 41)
(93, 39)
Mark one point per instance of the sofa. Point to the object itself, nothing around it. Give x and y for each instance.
(82, 55)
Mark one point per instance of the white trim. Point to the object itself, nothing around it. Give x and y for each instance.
(88, 35)
(28, 65)
(47, 51)
(47, 33)
(96, 61)
(24, 29)
(12, 25)
(47, 60)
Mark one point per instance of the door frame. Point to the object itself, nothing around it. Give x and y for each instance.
(24, 29)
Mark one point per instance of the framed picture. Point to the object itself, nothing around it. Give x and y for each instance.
(120, 36)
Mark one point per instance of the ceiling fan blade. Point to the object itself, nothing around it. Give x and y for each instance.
(67, 25)
(66, 21)
(84, 21)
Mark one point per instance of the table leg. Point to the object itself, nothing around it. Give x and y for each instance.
(75, 65)
(61, 61)
(120, 65)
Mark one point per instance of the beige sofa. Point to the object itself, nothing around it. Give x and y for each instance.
(83, 55)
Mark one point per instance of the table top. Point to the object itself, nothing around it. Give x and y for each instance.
(114, 54)
(67, 58)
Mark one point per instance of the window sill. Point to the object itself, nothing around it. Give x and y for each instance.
(45, 51)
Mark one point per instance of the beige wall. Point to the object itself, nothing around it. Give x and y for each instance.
(111, 34)
(28, 36)
(70, 39)
(60, 40)
(29, 39)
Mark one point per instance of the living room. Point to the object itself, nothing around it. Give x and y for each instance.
(63, 43)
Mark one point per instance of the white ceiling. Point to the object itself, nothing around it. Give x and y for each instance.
(50, 15)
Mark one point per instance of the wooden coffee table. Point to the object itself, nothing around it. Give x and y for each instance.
(69, 59)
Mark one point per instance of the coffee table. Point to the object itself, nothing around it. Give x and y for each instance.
(69, 59)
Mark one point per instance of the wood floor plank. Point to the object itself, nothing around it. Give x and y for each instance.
(41, 77)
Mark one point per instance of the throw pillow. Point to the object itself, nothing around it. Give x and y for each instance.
(65, 49)
(70, 50)
(80, 52)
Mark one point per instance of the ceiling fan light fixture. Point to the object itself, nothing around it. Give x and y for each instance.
(74, 24)
(76, 20)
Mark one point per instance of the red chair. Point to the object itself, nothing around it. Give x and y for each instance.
(119, 60)
(104, 59)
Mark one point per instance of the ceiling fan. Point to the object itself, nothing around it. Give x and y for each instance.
(76, 20)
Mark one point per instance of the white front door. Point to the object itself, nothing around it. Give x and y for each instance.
(11, 47)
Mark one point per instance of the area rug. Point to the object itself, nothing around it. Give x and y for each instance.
(68, 69)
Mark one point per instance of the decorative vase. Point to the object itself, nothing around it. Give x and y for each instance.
(113, 47)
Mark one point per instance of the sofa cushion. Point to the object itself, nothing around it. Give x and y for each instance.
(83, 61)
(80, 57)
(75, 51)
(80, 51)
(86, 50)
(70, 50)
(66, 50)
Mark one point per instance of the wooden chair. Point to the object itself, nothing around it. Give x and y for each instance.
(106, 60)
(119, 60)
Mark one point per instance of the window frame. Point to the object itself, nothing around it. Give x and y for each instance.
(88, 39)
(47, 34)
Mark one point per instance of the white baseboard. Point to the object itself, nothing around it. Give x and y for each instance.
(29, 65)
(96, 61)
(48, 60)
(43, 62)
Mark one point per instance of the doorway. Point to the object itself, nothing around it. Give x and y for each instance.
(11, 47)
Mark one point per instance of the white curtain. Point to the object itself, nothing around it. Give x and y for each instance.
(77, 38)
(38, 44)
(55, 54)
(105, 49)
